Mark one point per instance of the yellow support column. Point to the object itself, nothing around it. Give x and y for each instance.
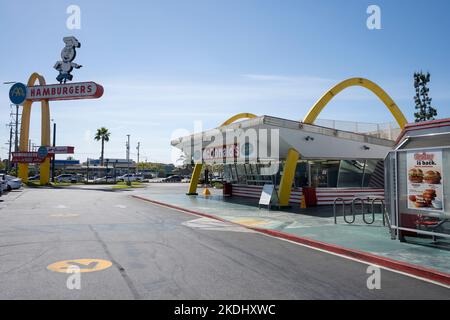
(198, 166)
(45, 141)
(45, 172)
(194, 179)
(284, 193)
(24, 134)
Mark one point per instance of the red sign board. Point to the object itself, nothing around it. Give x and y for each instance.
(66, 91)
(26, 157)
(61, 150)
(226, 151)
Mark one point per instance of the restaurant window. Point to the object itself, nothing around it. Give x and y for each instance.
(351, 174)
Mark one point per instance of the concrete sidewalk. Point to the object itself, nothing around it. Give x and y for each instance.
(371, 239)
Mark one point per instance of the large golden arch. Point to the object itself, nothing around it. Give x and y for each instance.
(376, 89)
(238, 117)
(25, 132)
(198, 167)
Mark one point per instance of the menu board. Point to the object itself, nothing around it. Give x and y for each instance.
(425, 180)
(268, 195)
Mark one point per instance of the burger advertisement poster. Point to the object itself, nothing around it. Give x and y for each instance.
(425, 181)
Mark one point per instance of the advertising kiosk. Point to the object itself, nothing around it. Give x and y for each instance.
(417, 182)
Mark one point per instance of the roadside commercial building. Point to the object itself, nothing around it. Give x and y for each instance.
(301, 158)
(335, 163)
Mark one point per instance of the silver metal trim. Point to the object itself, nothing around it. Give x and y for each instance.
(442, 235)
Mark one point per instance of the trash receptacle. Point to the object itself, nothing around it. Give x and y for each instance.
(310, 196)
(227, 189)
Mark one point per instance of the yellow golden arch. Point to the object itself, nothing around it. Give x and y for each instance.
(314, 112)
(198, 167)
(25, 132)
(293, 155)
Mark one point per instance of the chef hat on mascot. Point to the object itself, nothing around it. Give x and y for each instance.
(72, 42)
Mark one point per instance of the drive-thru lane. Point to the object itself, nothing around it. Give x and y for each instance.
(159, 253)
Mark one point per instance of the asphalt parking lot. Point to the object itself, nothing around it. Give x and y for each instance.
(129, 249)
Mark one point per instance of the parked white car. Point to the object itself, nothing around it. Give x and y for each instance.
(66, 178)
(3, 184)
(131, 177)
(186, 180)
(13, 182)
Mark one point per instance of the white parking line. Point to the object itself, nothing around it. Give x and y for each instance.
(215, 225)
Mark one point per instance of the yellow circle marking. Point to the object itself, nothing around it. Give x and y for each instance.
(250, 221)
(85, 265)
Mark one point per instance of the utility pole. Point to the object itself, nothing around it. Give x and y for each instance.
(14, 130)
(128, 160)
(10, 148)
(138, 147)
(16, 138)
(53, 158)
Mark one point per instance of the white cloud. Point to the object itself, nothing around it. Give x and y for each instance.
(280, 78)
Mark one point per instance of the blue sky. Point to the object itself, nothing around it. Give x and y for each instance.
(165, 64)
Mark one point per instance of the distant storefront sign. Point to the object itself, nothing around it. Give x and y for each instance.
(425, 180)
(217, 153)
(62, 163)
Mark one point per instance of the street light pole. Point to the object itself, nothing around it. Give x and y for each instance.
(128, 160)
(138, 147)
(10, 148)
(16, 137)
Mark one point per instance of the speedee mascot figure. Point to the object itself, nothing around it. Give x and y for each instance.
(68, 54)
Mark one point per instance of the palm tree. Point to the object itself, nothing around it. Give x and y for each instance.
(102, 134)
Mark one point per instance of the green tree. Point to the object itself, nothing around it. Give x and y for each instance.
(102, 134)
(422, 99)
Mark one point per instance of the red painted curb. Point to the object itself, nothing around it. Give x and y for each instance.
(405, 267)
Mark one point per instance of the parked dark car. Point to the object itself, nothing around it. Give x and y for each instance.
(172, 179)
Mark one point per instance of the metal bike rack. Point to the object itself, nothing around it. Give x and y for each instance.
(371, 210)
(363, 210)
(386, 218)
(343, 212)
(383, 211)
(334, 208)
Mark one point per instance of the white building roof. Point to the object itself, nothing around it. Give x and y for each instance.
(311, 141)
